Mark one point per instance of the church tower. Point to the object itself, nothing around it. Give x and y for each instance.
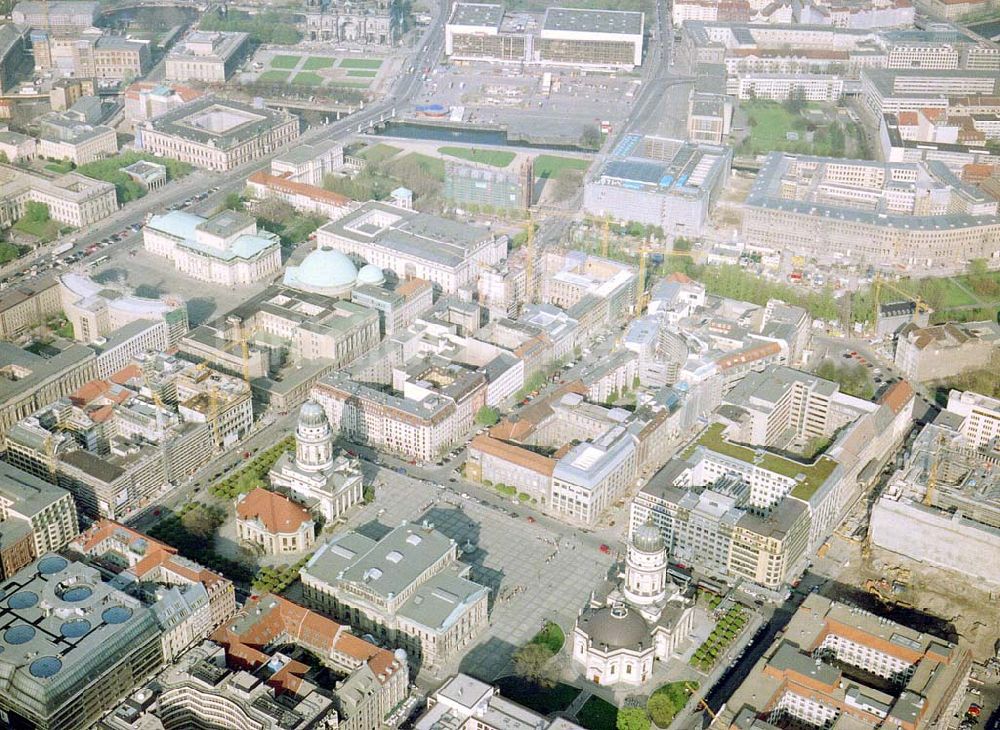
(646, 567)
(313, 439)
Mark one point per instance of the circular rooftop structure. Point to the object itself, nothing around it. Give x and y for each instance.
(116, 615)
(23, 599)
(75, 628)
(45, 667)
(647, 538)
(52, 564)
(324, 271)
(20, 634)
(75, 594)
(312, 414)
(617, 628)
(371, 274)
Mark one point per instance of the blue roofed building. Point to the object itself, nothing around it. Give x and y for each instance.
(224, 249)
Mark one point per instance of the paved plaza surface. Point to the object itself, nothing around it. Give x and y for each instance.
(541, 571)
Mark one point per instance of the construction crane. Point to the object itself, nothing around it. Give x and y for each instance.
(919, 306)
(691, 689)
(932, 471)
(213, 403)
(606, 236)
(529, 261)
(641, 295)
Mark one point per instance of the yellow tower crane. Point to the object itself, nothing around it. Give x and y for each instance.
(691, 689)
(606, 236)
(529, 261)
(919, 306)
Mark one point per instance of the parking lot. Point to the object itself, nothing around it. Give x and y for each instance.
(537, 570)
(518, 100)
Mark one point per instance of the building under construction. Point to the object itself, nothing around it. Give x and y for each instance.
(943, 505)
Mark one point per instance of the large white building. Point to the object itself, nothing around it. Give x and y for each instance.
(562, 36)
(447, 253)
(225, 249)
(217, 134)
(72, 199)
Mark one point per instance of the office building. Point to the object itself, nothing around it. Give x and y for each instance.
(73, 199)
(408, 589)
(891, 91)
(59, 16)
(98, 310)
(561, 36)
(887, 215)
(136, 558)
(710, 117)
(410, 244)
(397, 308)
(91, 54)
(946, 350)
(485, 187)
(73, 645)
(303, 197)
(14, 63)
(217, 134)
(27, 304)
(209, 57)
(822, 669)
(225, 249)
(36, 517)
(145, 100)
(661, 182)
(309, 163)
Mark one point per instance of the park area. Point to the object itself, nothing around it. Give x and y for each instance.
(796, 127)
(723, 635)
(314, 71)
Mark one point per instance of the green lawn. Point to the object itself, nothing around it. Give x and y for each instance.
(308, 78)
(379, 152)
(360, 63)
(286, 62)
(432, 166)
(45, 230)
(951, 294)
(362, 73)
(769, 122)
(315, 63)
(59, 167)
(351, 84)
(551, 636)
(541, 700)
(552, 165)
(494, 158)
(597, 714)
(274, 77)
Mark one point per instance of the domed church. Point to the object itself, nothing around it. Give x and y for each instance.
(643, 617)
(325, 482)
(330, 273)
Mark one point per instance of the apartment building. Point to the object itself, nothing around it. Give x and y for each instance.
(980, 414)
(73, 199)
(820, 88)
(26, 305)
(210, 57)
(216, 134)
(408, 589)
(891, 91)
(36, 518)
(945, 350)
(806, 675)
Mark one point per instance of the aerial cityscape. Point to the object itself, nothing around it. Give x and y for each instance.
(515, 365)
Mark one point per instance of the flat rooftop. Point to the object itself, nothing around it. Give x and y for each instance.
(477, 14)
(211, 120)
(579, 20)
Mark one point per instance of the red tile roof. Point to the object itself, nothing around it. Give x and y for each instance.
(277, 513)
(281, 184)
